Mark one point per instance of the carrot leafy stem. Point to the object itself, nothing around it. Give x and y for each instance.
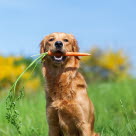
(12, 114)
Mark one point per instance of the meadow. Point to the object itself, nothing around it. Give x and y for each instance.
(115, 111)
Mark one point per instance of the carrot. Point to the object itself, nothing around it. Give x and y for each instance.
(68, 54)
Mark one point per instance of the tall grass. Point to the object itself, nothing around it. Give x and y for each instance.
(115, 108)
(115, 111)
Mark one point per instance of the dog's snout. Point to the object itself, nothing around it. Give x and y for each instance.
(58, 44)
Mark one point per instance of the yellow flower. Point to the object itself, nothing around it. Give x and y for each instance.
(32, 84)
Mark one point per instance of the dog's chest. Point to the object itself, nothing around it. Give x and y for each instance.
(68, 113)
(61, 91)
(61, 87)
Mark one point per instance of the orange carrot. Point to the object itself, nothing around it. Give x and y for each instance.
(68, 54)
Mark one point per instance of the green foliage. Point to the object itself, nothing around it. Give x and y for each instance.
(105, 65)
(115, 111)
(12, 114)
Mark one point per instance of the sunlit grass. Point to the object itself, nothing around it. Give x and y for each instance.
(111, 118)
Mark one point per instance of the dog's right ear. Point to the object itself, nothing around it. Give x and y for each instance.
(42, 46)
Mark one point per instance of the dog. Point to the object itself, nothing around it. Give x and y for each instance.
(69, 110)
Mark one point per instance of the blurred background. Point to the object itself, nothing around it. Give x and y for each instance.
(106, 29)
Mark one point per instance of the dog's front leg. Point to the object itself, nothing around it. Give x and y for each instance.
(85, 129)
(54, 131)
(53, 122)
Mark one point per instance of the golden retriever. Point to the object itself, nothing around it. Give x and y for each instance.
(68, 107)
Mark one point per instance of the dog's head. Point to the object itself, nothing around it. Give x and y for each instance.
(58, 43)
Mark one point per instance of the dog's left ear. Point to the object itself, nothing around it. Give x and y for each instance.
(75, 47)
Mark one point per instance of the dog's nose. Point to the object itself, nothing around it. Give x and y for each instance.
(58, 44)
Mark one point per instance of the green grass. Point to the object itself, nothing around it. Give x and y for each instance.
(115, 111)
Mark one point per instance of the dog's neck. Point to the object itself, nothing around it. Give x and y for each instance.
(60, 78)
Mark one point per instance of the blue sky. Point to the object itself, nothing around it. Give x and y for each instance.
(106, 23)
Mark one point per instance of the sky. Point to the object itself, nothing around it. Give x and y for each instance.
(106, 23)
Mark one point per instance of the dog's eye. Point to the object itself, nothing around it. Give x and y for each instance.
(52, 39)
(65, 40)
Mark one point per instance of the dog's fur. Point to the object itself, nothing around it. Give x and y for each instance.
(68, 107)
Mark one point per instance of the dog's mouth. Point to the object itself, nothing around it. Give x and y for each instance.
(59, 56)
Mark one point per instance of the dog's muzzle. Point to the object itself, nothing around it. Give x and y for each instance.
(58, 49)
(59, 58)
(58, 45)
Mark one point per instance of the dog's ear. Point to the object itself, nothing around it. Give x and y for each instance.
(42, 46)
(75, 47)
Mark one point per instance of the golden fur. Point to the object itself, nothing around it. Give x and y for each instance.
(68, 107)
